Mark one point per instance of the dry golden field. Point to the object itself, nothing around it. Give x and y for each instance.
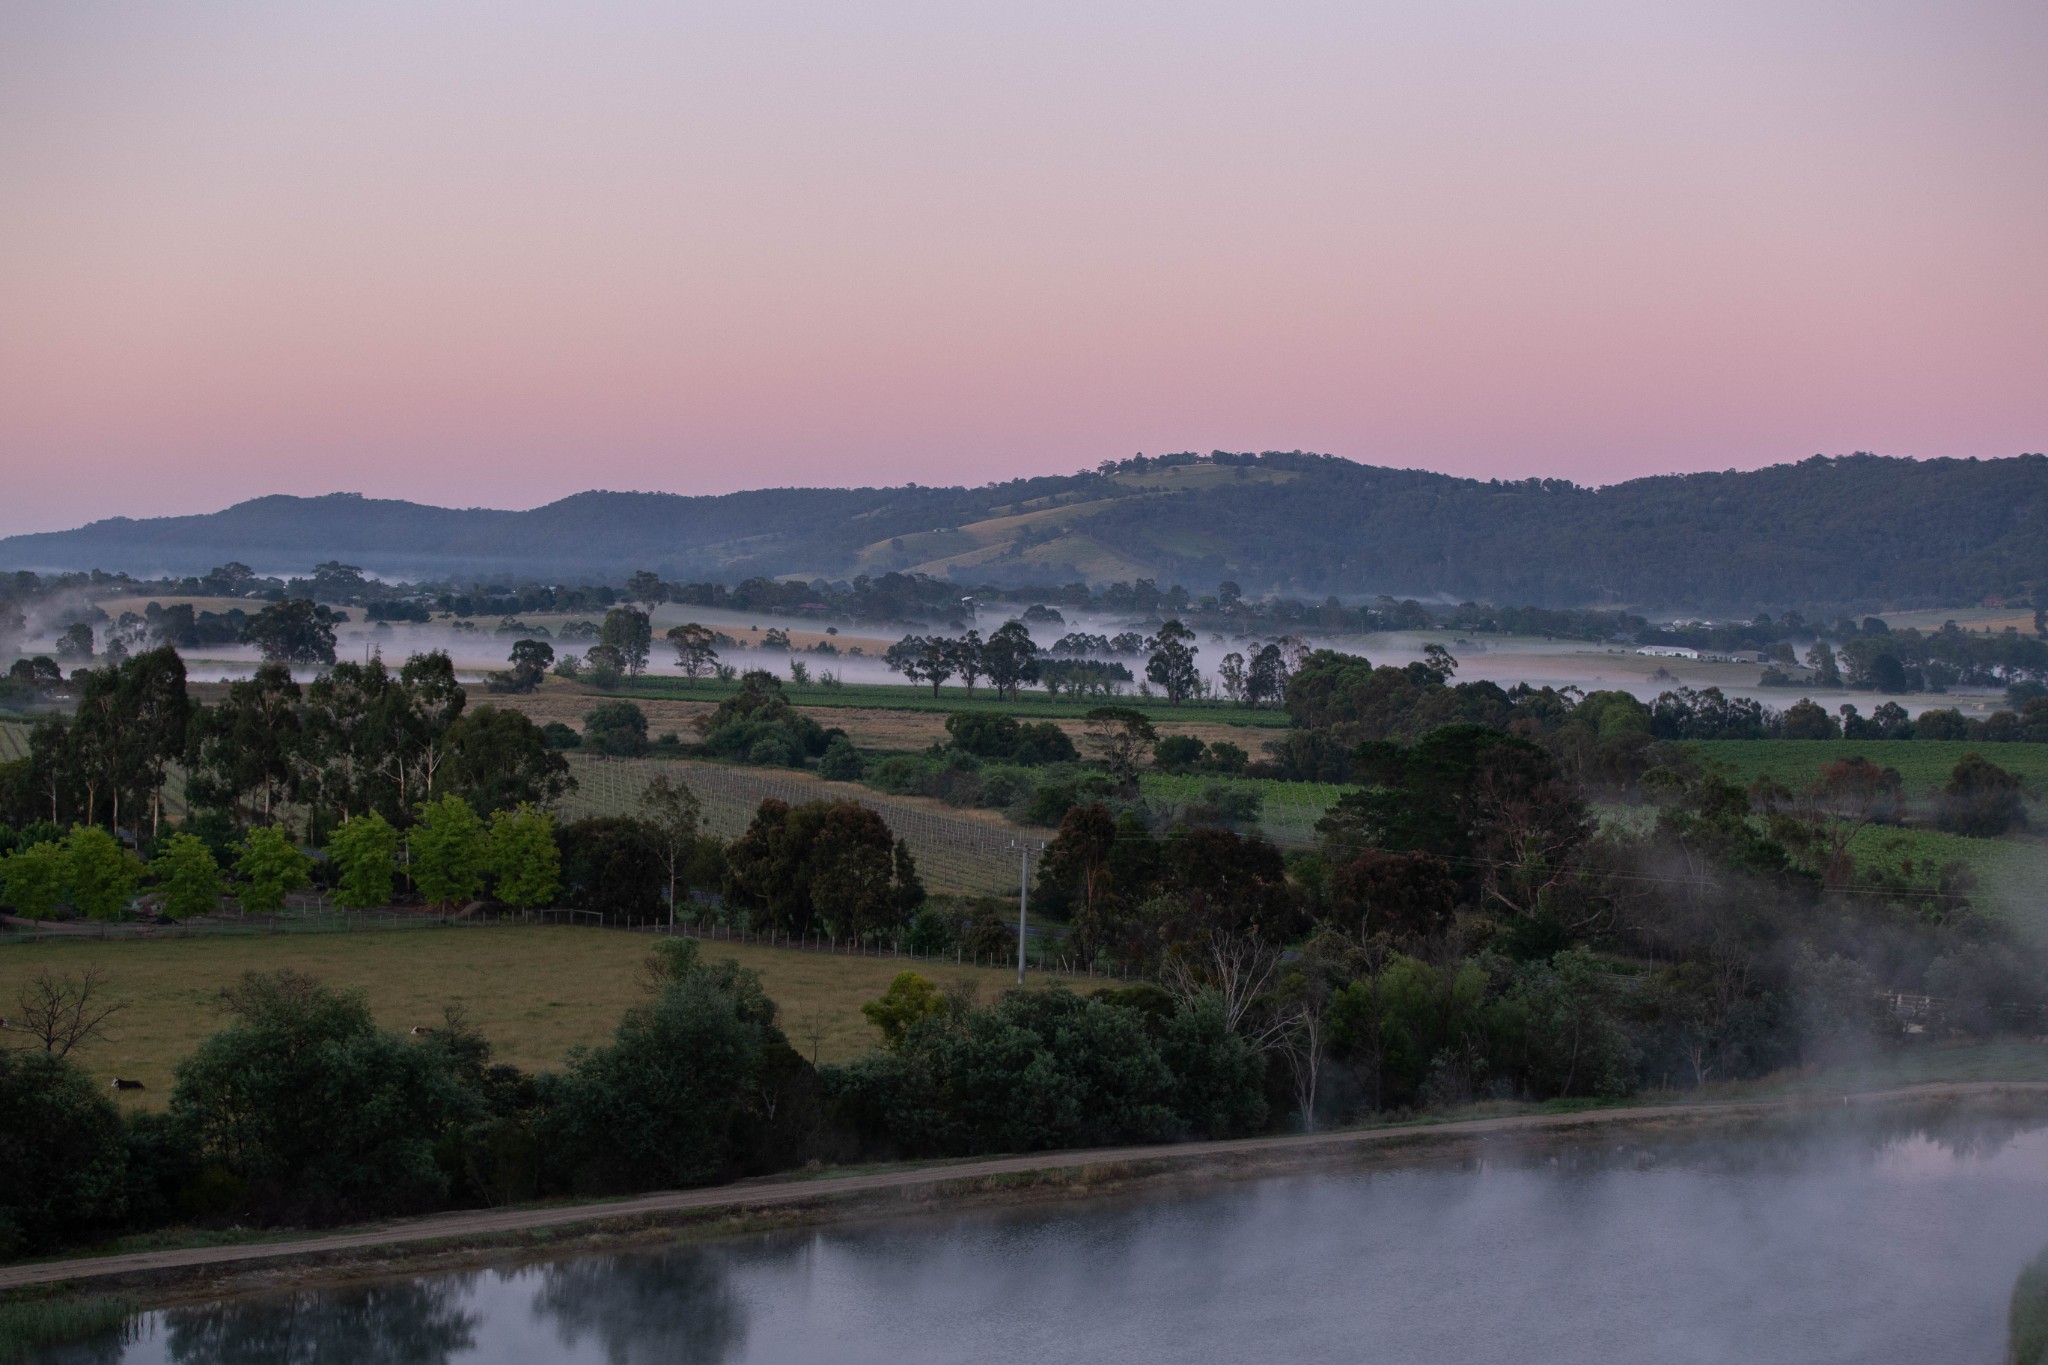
(534, 991)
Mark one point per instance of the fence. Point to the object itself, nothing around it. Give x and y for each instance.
(321, 921)
(954, 853)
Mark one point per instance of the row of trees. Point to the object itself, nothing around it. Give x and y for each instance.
(359, 739)
(1010, 659)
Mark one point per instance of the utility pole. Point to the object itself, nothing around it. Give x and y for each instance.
(1023, 848)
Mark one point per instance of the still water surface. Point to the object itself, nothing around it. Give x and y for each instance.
(1781, 1245)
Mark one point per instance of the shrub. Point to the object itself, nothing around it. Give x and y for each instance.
(841, 762)
(695, 1085)
(322, 1113)
(616, 729)
(62, 1156)
(1981, 799)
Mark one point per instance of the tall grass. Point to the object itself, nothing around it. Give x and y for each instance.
(2027, 1323)
(32, 1324)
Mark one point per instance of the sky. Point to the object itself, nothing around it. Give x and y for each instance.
(492, 254)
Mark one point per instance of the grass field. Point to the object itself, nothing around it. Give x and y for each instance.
(1288, 816)
(13, 741)
(902, 697)
(534, 991)
(1923, 764)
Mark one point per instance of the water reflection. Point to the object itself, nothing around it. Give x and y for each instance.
(1842, 1238)
(677, 1307)
(413, 1322)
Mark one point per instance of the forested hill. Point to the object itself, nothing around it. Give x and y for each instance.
(1853, 531)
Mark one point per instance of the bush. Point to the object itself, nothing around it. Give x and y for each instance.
(322, 1113)
(616, 729)
(62, 1155)
(841, 762)
(560, 736)
(697, 1085)
(1981, 800)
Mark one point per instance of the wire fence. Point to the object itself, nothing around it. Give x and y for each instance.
(320, 920)
(954, 853)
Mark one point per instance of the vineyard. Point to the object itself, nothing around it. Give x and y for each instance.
(956, 852)
(13, 741)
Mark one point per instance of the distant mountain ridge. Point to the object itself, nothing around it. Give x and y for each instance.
(1852, 531)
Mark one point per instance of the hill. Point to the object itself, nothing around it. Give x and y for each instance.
(1858, 531)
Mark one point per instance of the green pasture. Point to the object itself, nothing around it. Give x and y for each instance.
(1289, 812)
(1924, 764)
(952, 697)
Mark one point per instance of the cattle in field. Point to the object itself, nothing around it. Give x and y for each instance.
(120, 1084)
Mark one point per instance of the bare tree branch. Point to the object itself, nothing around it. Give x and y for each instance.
(62, 1012)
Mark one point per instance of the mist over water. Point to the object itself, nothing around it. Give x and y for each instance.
(1835, 1244)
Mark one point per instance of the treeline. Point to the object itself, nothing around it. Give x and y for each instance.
(1341, 703)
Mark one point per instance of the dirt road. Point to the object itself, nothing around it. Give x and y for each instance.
(479, 1225)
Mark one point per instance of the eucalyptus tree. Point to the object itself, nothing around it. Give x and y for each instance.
(1172, 661)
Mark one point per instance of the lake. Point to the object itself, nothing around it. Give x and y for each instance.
(1883, 1239)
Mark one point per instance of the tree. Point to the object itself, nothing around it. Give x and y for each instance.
(271, 866)
(695, 655)
(293, 632)
(530, 661)
(1171, 661)
(190, 877)
(497, 758)
(661, 1105)
(524, 857)
(450, 851)
(1804, 719)
(1121, 737)
(631, 633)
(1982, 799)
(320, 1112)
(1266, 678)
(825, 866)
(62, 1165)
(1010, 658)
(606, 664)
(645, 587)
(99, 875)
(1232, 673)
(75, 645)
(967, 659)
(247, 744)
(1827, 672)
(909, 999)
(616, 729)
(62, 1012)
(33, 880)
(675, 815)
(365, 850)
(612, 864)
(1405, 895)
(920, 659)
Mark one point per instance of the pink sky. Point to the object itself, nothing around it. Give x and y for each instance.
(497, 253)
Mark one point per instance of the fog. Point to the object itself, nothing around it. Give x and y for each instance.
(480, 646)
(1846, 1239)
